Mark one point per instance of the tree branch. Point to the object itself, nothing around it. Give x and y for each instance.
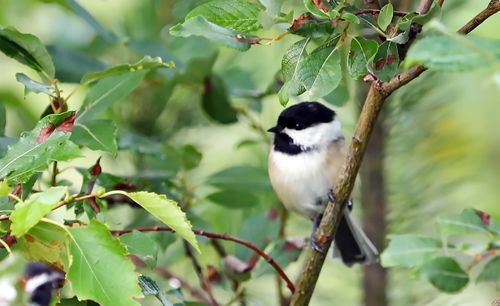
(224, 236)
(376, 11)
(331, 218)
(199, 272)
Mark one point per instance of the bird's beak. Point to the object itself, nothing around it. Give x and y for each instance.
(275, 129)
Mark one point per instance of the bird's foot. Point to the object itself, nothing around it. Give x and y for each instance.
(331, 195)
(315, 245)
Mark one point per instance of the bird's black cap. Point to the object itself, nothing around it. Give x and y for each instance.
(303, 115)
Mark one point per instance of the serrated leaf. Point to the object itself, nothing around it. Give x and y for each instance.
(146, 63)
(142, 246)
(289, 67)
(33, 86)
(101, 270)
(107, 91)
(48, 243)
(215, 101)
(491, 271)
(360, 53)
(47, 142)
(28, 213)
(96, 135)
(26, 49)
(320, 72)
(386, 62)
(166, 210)
(468, 222)
(454, 53)
(241, 16)
(311, 7)
(409, 250)
(385, 16)
(199, 26)
(234, 200)
(444, 273)
(241, 178)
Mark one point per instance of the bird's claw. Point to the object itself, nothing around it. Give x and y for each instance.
(315, 245)
(331, 196)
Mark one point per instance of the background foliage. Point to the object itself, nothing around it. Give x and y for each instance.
(191, 125)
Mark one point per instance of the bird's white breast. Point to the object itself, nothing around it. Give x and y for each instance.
(301, 180)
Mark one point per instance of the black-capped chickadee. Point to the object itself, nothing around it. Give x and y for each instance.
(40, 283)
(304, 161)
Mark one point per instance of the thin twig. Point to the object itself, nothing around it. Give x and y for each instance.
(199, 272)
(331, 218)
(480, 257)
(377, 11)
(224, 236)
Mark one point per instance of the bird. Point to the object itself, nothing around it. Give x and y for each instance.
(40, 282)
(304, 162)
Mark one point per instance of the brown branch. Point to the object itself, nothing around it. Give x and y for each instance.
(480, 257)
(376, 11)
(199, 272)
(424, 7)
(224, 236)
(331, 218)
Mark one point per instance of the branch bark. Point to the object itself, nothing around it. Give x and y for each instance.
(374, 101)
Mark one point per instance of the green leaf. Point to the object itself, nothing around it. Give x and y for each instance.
(150, 287)
(241, 178)
(48, 243)
(351, 18)
(494, 226)
(444, 273)
(491, 271)
(454, 53)
(241, 16)
(261, 229)
(191, 157)
(234, 200)
(361, 52)
(26, 49)
(146, 63)
(311, 7)
(385, 16)
(320, 71)
(107, 91)
(386, 62)
(47, 142)
(28, 213)
(339, 96)
(409, 250)
(96, 135)
(215, 101)
(142, 246)
(33, 86)
(101, 270)
(3, 119)
(72, 65)
(199, 26)
(468, 222)
(283, 252)
(4, 188)
(289, 67)
(166, 210)
(308, 25)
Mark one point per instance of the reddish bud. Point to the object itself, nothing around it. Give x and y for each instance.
(96, 169)
(485, 218)
(213, 275)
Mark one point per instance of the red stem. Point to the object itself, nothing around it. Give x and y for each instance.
(224, 236)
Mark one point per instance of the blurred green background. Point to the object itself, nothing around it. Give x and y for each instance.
(442, 155)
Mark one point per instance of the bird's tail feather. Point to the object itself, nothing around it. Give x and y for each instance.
(351, 243)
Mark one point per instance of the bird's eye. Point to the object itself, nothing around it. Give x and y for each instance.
(299, 126)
